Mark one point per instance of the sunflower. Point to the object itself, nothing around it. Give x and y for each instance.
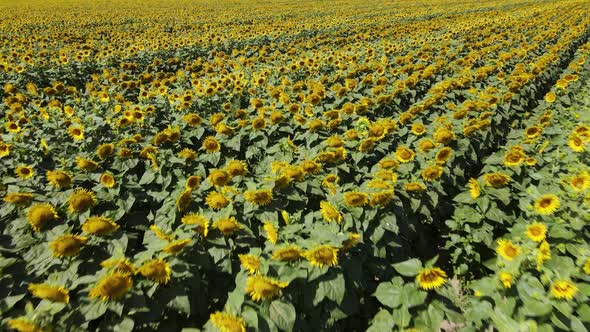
(236, 167)
(200, 221)
(564, 289)
(414, 187)
(122, 265)
(474, 188)
(226, 322)
(431, 278)
(353, 239)
(496, 180)
(381, 198)
(544, 254)
(329, 212)
(250, 262)
(506, 279)
(59, 179)
(547, 204)
(5, 149)
(404, 154)
(24, 172)
(99, 225)
(12, 127)
(550, 97)
(388, 163)
(272, 234)
(310, 167)
(367, 145)
(443, 136)
(227, 226)
(418, 129)
(193, 182)
(192, 119)
(160, 233)
(507, 249)
(67, 245)
(513, 158)
(40, 214)
(322, 255)
(576, 143)
(51, 293)
(219, 177)
(22, 324)
(211, 145)
(104, 151)
(81, 200)
(264, 288)
(187, 154)
(112, 287)
(288, 254)
(432, 173)
(19, 199)
(536, 231)
(586, 267)
(580, 182)
(355, 199)
(175, 247)
(86, 164)
(259, 197)
(443, 155)
(156, 270)
(216, 200)
(76, 132)
(426, 145)
(107, 180)
(184, 200)
(533, 132)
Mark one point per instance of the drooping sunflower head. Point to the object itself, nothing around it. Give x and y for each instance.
(381, 198)
(227, 226)
(67, 245)
(86, 164)
(104, 151)
(506, 279)
(59, 179)
(226, 322)
(112, 287)
(355, 199)
(184, 200)
(536, 231)
(22, 324)
(156, 270)
(99, 226)
(431, 278)
(310, 167)
(259, 197)
(40, 214)
(24, 172)
(107, 180)
(330, 212)
(211, 145)
(122, 265)
(507, 249)
(19, 199)
(81, 200)
(497, 180)
(250, 262)
(272, 234)
(193, 182)
(175, 247)
(432, 173)
(216, 200)
(426, 145)
(264, 288)
(547, 204)
(443, 136)
(187, 154)
(414, 187)
(443, 155)
(200, 222)
(323, 255)
(564, 289)
(288, 254)
(50, 293)
(474, 188)
(219, 177)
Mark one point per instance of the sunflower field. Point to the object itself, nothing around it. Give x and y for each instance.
(345, 165)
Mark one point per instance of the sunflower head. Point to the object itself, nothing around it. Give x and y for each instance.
(59, 179)
(330, 212)
(175, 247)
(226, 322)
(288, 254)
(19, 199)
(264, 288)
(99, 226)
(260, 197)
(414, 187)
(547, 204)
(200, 222)
(112, 287)
(76, 132)
(157, 270)
(431, 278)
(51, 293)
(105, 150)
(271, 231)
(227, 226)
(432, 173)
(506, 279)
(536, 231)
(67, 245)
(507, 249)
(236, 167)
(216, 200)
(81, 200)
(86, 164)
(323, 255)
(40, 214)
(219, 177)
(122, 265)
(211, 145)
(107, 180)
(250, 262)
(184, 200)
(564, 289)
(22, 324)
(497, 180)
(24, 172)
(404, 155)
(381, 198)
(355, 199)
(474, 188)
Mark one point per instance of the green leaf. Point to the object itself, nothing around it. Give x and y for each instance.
(282, 314)
(402, 317)
(409, 268)
(333, 289)
(388, 293)
(94, 309)
(383, 321)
